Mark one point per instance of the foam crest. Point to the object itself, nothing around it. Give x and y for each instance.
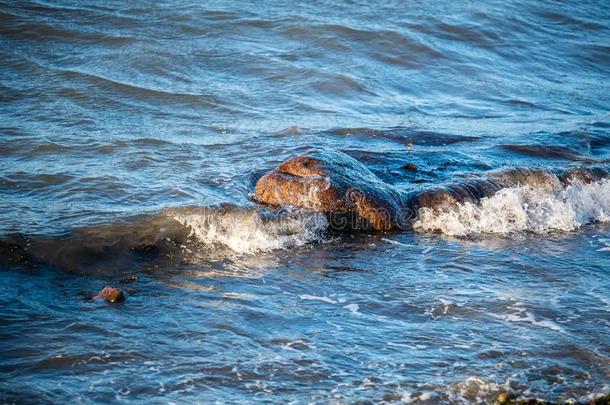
(522, 209)
(249, 230)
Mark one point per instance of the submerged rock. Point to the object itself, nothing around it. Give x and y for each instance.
(505, 398)
(111, 295)
(355, 198)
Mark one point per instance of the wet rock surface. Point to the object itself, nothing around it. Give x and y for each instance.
(334, 183)
(111, 294)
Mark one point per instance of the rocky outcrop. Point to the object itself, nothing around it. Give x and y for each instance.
(335, 183)
(354, 197)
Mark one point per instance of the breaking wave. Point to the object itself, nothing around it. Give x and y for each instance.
(185, 234)
(522, 209)
(249, 230)
(195, 233)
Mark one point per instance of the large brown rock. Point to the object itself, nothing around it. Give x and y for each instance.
(334, 183)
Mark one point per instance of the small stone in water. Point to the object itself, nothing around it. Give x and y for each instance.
(111, 295)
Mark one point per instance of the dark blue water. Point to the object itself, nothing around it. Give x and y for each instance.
(125, 125)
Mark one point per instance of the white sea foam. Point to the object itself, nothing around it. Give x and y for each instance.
(520, 314)
(353, 308)
(248, 231)
(606, 243)
(523, 209)
(529, 318)
(475, 389)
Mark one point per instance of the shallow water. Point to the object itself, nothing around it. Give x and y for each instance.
(131, 136)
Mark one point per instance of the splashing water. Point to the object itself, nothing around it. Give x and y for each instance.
(247, 231)
(523, 209)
